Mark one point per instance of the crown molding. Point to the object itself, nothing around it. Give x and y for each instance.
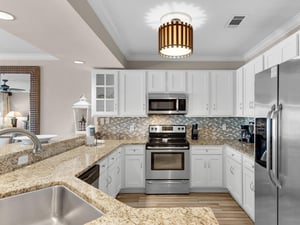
(288, 28)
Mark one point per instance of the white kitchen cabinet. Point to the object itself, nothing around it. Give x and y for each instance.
(245, 80)
(233, 173)
(248, 186)
(176, 81)
(258, 64)
(166, 81)
(289, 47)
(198, 90)
(206, 167)
(156, 81)
(240, 92)
(249, 89)
(134, 166)
(104, 93)
(103, 179)
(132, 93)
(222, 98)
(110, 173)
(283, 51)
(272, 57)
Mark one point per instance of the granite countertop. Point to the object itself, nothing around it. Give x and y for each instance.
(243, 147)
(62, 169)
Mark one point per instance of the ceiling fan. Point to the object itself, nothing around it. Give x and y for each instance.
(4, 88)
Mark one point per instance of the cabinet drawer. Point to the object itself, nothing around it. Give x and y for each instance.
(248, 163)
(135, 150)
(206, 151)
(233, 154)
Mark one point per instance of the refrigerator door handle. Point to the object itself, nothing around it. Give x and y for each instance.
(275, 127)
(269, 155)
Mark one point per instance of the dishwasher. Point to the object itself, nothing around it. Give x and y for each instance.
(91, 176)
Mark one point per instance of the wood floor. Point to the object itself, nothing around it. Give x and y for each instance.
(226, 210)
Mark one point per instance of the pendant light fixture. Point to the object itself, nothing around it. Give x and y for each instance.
(175, 36)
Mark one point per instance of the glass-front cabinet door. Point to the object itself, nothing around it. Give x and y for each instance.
(104, 93)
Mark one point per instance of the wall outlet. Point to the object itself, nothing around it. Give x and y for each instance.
(107, 120)
(224, 126)
(132, 127)
(102, 122)
(23, 160)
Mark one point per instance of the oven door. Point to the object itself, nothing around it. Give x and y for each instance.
(167, 164)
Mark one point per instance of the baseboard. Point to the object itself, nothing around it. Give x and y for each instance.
(132, 190)
(224, 190)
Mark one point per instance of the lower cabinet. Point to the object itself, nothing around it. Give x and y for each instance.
(134, 167)
(110, 173)
(234, 174)
(206, 167)
(124, 170)
(248, 187)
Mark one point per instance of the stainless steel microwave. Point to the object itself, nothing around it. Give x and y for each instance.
(167, 103)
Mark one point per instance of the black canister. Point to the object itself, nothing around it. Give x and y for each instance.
(194, 131)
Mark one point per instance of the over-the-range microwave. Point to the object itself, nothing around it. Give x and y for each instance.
(167, 103)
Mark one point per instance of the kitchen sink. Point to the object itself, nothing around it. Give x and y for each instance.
(55, 205)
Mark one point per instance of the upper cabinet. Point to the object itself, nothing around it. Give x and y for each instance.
(283, 51)
(239, 87)
(289, 47)
(156, 81)
(176, 81)
(166, 81)
(221, 93)
(249, 89)
(104, 93)
(245, 86)
(210, 93)
(198, 90)
(132, 93)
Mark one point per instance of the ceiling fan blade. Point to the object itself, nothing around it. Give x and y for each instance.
(15, 89)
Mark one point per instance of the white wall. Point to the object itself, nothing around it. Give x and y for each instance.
(61, 86)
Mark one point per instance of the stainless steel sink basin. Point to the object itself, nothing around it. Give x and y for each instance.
(55, 205)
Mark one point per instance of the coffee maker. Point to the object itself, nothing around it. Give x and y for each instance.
(247, 134)
(194, 131)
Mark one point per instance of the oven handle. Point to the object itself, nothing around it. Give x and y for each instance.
(167, 148)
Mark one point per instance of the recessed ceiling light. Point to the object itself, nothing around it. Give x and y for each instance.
(6, 16)
(78, 62)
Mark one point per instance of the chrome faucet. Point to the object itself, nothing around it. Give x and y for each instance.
(36, 143)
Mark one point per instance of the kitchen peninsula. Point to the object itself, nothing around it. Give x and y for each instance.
(62, 170)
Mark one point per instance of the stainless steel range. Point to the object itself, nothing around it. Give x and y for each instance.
(167, 160)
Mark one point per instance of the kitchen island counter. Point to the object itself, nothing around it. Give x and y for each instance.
(62, 170)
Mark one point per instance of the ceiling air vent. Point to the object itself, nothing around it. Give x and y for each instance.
(235, 21)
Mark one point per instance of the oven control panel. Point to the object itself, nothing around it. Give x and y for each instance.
(167, 129)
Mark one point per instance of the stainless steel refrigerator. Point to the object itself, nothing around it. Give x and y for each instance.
(277, 145)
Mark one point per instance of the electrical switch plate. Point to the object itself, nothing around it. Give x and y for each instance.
(101, 121)
(23, 159)
(224, 126)
(132, 127)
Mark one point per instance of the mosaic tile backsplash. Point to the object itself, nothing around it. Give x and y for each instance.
(137, 127)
